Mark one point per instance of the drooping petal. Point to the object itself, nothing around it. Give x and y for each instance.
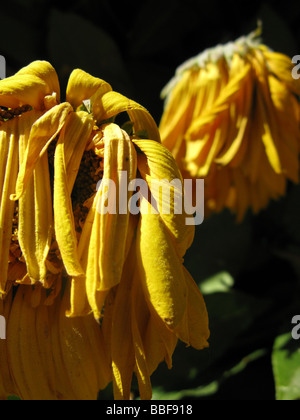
(55, 358)
(83, 353)
(7, 386)
(110, 226)
(43, 131)
(197, 332)
(44, 71)
(29, 349)
(68, 155)
(282, 66)
(139, 320)
(8, 175)
(158, 167)
(113, 103)
(122, 350)
(160, 268)
(35, 208)
(178, 112)
(29, 86)
(82, 86)
(159, 343)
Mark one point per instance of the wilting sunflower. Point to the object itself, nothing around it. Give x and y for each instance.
(232, 117)
(90, 296)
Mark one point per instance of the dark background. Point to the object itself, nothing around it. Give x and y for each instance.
(136, 47)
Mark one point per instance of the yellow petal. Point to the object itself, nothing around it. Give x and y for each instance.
(197, 317)
(44, 71)
(160, 269)
(221, 104)
(28, 347)
(7, 386)
(44, 130)
(178, 112)
(139, 319)
(270, 133)
(29, 86)
(83, 86)
(68, 155)
(80, 305)
(82, 352)
(159, 343)
(108, 241)
(122, 349)
(113, 103)
(35, 209)
(9, 133)
(282, 66)
(240, 122)
(158, 167)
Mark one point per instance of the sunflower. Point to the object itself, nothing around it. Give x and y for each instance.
(232, 117)
(90, 295)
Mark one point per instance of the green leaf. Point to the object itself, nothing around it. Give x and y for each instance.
(286, 367)
(221, 282)
(212, 388)
(13, 398)
(231, 314)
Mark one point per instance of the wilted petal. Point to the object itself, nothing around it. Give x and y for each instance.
(195, 331)
(29, 349)
(35, 208)
(282, 66)
(68, 155)
(7, 386)
(158, 167)
(9, 136)
(139, 320)
(83, 86)
(160, 269)
(107, 244)
(29, 86)
(82, 352)
(122, 350)
(44, 71)
(113, 103)
(43, 131)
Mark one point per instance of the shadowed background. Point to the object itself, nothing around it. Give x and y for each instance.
(249, 272)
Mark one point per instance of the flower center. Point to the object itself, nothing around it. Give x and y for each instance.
(89, 174)
(9, 113)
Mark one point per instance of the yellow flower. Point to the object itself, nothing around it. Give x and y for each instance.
(232, 117)
(95, 295)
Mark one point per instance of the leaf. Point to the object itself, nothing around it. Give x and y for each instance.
(221, 282)
(286, 367)
(231, 314)
(211, 388)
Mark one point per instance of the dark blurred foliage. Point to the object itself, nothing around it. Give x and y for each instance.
(253, 267)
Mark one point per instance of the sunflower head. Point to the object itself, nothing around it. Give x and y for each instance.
(232, 118)
(93, 292)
